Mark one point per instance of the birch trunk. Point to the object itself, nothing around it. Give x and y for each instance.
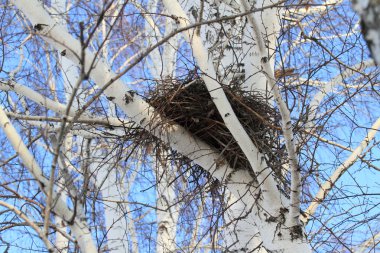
(241, 233)
(167, 208)
(104, 167)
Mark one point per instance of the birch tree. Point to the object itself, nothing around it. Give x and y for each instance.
(188, 126)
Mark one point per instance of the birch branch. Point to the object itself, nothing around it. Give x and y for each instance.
(79, 228)
(32, 95)
(328, 185)
(318, 8)
(112, 122)
(30, 223)
(286, 123)
(58, 108)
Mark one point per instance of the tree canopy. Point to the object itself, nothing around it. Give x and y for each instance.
(189, 126)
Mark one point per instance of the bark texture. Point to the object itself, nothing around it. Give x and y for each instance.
(369, 11)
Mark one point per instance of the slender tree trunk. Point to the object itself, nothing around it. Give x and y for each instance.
(167, 210)
(103, 166)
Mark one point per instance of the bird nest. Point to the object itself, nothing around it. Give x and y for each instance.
(190, 105)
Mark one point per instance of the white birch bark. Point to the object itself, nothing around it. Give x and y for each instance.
(32, 95)
(104, 167)
(254, 209)
(117, 228)
(115, 214)
(167, 208)
(78, 227)
(163, 67)
(267, 219)
(62, 242)
(369, 11)
(241, 235)
(286, 125)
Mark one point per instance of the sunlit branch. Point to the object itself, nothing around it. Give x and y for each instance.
(30, 223)
(286, 123)
(329, 184)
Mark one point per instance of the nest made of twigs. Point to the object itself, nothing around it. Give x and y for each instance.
(190, 105)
